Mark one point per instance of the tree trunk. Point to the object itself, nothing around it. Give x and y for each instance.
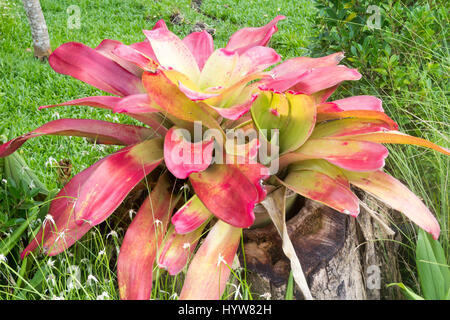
(342, 257)
(39, 32)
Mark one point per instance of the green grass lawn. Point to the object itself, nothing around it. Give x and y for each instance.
(26, 84)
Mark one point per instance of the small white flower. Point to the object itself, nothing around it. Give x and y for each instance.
(61, 235)
(74, 277)
(48, 218)
(51, 278)
(220, 260)
(266, 296)
(185, 186)
(186, 245)
(161, 266)
(102, 253)
(174, 296)
(131, 212)
(100, 147)
(4, 181)
(50, 263)
(237, 294)
(57, 298)
(3, 258)
(113, 234)
(103, 296)
(91, 280)
(158, 223)
(70, 286)
(50, 161)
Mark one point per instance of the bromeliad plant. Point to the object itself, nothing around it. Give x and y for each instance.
(169, 84)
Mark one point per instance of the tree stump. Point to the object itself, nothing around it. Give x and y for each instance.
(39, 32)
(342, 257)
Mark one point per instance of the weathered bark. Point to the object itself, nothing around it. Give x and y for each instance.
(342, 257)
(39, 32)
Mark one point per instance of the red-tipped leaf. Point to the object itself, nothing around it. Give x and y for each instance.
(57, 237)
(322, 188)
(111, 182)
(183, 157)
(177, 249)
(346, 154)
(396, 137)
(395, 194)
(227, 193)
(201, 45)
(190, 216)
(88, 65)
(247, 38)
(141, 242)
(101, 131)
(210, 268)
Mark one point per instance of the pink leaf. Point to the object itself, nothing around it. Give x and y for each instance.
(177, 249)
(398, 138)
(145, 48)
(358, 103)
(135, 104)
(171, 52)
(256, 59)
(344, 128)
(101, 131)
(111, 103)
(106, 102)
(183, 157)
(322, 188)
(107, 48)
(291, 71)
(190, 216)
(195, 95)
(57, 237)
(395, 194)
(247, 38)
(323, 78)
(358, 114)
(209, 270)
(88, 65)
(227, 193)
(139, 246)
(236, 111)
(106, 188)
(201, 45)
(346, 154)
(134, 57)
